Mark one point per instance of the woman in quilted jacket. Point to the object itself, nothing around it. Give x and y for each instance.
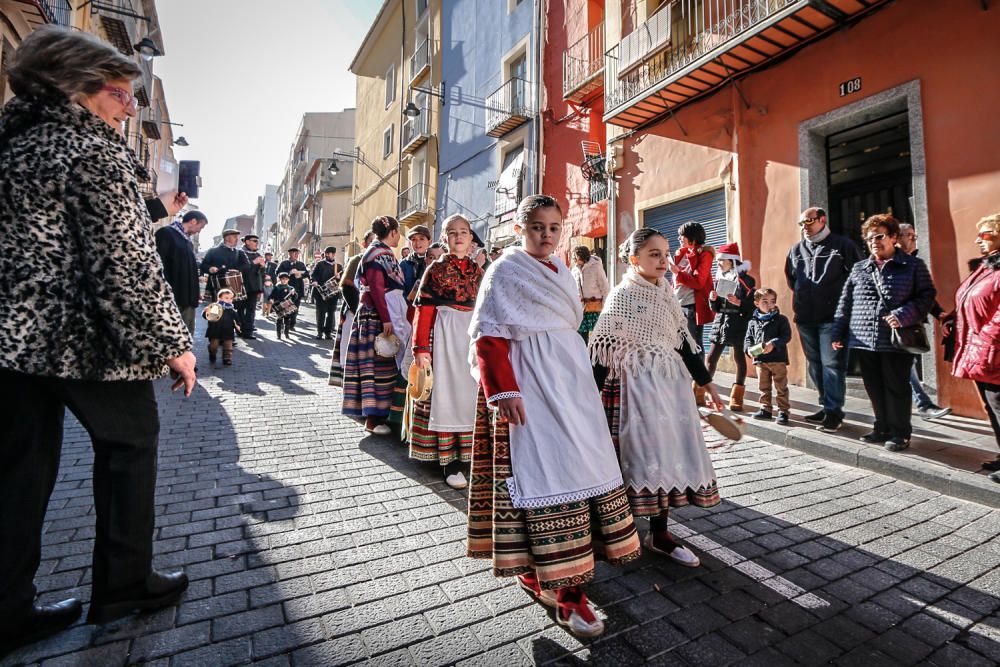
(977, 327)
(887, 291)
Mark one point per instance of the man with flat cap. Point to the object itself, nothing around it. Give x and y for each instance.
(253, 282)
(419, 239)
(297, 273)
(323, 271)
(180, 265)
(222, 258)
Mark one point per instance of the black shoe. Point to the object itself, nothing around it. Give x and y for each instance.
(319, 336)
(782, 419)
(995, 477)
(328, 336)
(40, 622)
(762, 414)
(831, 423)
(249, 337)
(874, 438)
(816, 417)
(897, 444)
(932, 412)
(992, 465)
(157, 591)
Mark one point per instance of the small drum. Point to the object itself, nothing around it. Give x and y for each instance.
(285, 307)
(213, 312)
(327, 290)
(234, 281)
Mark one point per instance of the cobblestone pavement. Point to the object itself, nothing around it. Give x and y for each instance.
(308, 543)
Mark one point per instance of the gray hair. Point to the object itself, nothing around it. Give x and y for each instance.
(55, 60)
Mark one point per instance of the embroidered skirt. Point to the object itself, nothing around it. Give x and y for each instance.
(587, 325)
(650, 502)
(336, 378)
(559, 543)
(369, 380)
(437, 446)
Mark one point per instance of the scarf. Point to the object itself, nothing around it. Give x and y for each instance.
(178, 226)
(765, 317)
(450, 281)
(227, 306)
(380, 255)
(818, 237)
(520, 297)
(640, 328)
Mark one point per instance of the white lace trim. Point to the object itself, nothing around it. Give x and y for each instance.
(502, 395)
(547, 501)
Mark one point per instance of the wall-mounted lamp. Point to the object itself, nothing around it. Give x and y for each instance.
(147, 49)
(181, 141)
(412, 110)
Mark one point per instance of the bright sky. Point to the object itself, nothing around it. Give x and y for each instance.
(239, 74)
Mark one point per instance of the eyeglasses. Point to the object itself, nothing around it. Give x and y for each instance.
(875, 238)
(127, 99)
(982, 236)
(807, 221)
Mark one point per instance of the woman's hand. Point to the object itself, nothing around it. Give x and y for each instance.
(893, 321)
(422, 359)
(733, 299)
(182, 371)
(387, 329)
(837, 345)
(511, 410)
(714, 400)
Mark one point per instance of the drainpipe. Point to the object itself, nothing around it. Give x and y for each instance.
(402, 91)
(612, 258)
(537, 121)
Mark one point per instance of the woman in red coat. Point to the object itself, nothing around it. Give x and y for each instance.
(977, 327)
(692, 269)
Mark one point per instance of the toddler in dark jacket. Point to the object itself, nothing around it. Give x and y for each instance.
(222, 332)
(767, 337)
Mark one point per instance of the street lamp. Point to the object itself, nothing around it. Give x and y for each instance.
(412, 110)
(334, 168)
(147, 49)
(181, 141)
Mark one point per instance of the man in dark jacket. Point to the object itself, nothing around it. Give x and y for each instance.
(413, 265)
(180, 265)
(271, 267)
(253, 282)
(222, 258)
(324, 270)
(297, 273)
(816, 269)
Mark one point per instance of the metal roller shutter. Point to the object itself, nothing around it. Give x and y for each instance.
(709, 209)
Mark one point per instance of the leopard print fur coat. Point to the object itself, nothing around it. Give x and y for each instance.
(84, 294)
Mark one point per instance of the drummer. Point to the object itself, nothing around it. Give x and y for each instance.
(297, 273)
(223, 258)
(323, 271)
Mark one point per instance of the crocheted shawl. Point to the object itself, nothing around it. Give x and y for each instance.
(640, 328)
(450, 281)
(379, 254)
(521, 297)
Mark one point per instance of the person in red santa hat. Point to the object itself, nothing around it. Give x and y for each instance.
(732, 299)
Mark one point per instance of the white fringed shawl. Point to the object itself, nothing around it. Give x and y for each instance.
(640, 328)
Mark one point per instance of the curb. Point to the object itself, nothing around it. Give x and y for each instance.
(933, 476)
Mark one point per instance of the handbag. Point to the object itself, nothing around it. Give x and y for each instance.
(912, 339)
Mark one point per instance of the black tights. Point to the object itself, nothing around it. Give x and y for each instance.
(715, 353)
(658, 525)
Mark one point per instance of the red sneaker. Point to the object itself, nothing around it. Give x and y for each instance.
(529, 582)
(575, 613)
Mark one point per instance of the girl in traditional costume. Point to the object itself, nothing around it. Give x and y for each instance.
(369, 378)
(643, 345)
(546, 497)
(441, 427)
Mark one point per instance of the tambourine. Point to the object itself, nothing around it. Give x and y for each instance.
(725, 423)
(421, 381)
(213, 312)
(387, 346)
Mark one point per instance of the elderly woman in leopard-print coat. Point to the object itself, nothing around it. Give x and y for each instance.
(87, 322)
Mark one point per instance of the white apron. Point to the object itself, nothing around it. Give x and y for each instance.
(453, 401)
(662, 449)
(396, 304)
(564, 452)
(345, 337)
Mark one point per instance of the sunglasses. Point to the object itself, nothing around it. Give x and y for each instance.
(127, 99)
(982, 236)
(875, 237)
(807, 221)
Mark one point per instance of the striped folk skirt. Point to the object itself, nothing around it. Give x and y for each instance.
(436, 446)
(369, 380)
(651, 502)
(558, 543)
(336, 378)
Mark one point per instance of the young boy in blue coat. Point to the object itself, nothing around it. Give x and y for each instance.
(766, 341)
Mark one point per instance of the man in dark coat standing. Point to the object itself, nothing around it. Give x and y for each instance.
(324, 270)
(297, 273)
(253, 283)
(222, 258)
(180, 265)
(271, 267)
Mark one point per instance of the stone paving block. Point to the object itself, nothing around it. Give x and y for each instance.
(809, 648)
(212, 607)
(355, 619)
(446, 649)
(342, 651)
(169, 642)
(316, 604)
(697, 620)
(458, 615)
(711, 649)
(246, 622)
(654, 638)
(107, 654)
(509, 627)
(395, 635)
(220, 654)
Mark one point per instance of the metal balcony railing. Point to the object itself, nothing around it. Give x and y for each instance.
(420, 61)
(118, 19)
(598, 190)
(416, 130)
(56, 11)
(638, 63)
(507, 107)
(583, 64)
(412, 202)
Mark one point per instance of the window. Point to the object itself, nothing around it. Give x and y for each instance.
(390, 85)
(387, 142)
(421, 7)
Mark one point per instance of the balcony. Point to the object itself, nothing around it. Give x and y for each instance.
(412, 204)
(420, 61)
(507, 108)
(583, 67)
(118, 21)
(416, 131)
(692, 48)
(151, 124)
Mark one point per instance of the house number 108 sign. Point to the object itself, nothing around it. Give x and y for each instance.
(850, 87)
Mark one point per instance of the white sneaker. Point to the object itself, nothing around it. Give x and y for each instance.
(381, 429)
(456, 480)
(685, 557)
(580, 627)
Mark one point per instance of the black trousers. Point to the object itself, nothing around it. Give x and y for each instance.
(122, 421)
(247, 313)
(990, 394)
(696, 330)
(324, 315)
(887, 380)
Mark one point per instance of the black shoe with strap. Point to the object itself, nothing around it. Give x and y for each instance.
(40, 622)
(158, 590)
(831, 423)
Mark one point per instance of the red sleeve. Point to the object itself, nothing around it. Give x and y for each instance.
(375, 280)
(495, 371)
(700, 277)
(423, 324)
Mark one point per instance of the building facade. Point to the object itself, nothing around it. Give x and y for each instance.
(17, 20)
(266, 216)
(740, 115)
